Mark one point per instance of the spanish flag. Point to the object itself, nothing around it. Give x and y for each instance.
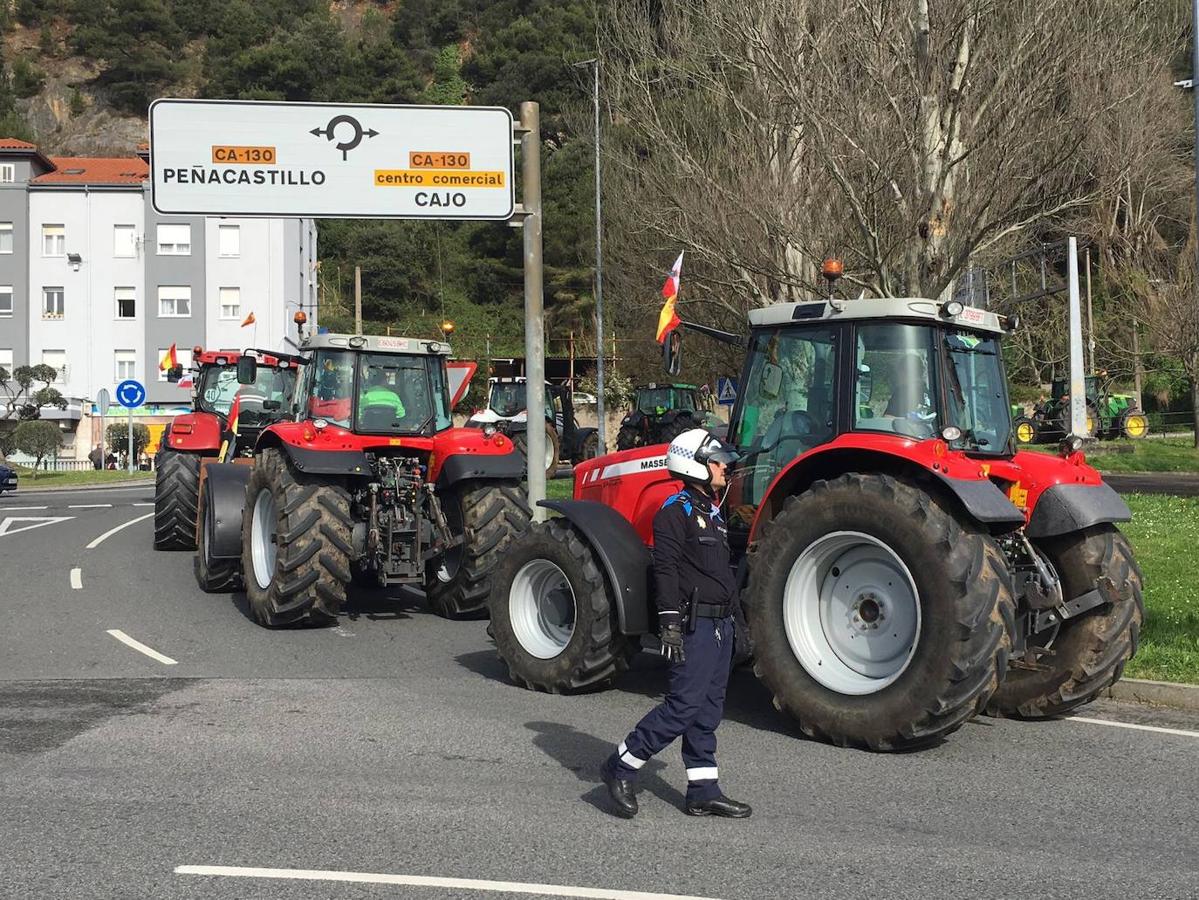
(249, 320)
(668, 319)
(169, 360)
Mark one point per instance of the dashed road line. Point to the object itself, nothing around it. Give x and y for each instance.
(77, 578)
(90, 506)
(462, 884)
(141, 504)
(21, 508)
(141, 648)
(1179, 732)
(106, 535)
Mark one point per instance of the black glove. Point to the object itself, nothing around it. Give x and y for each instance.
(672, 643)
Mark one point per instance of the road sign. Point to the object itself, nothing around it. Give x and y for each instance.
(338, 160)
(131, 394)
(726, 391)
(103, 400)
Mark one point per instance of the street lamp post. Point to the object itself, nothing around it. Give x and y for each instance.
(599, 264)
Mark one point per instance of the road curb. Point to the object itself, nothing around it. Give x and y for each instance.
(29, 487)
(1157, 693)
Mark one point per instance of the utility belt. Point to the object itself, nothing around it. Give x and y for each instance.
(697, 609)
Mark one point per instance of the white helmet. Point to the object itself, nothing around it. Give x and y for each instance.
(689, 454)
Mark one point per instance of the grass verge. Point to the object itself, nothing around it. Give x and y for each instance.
(83, 478)
(1164, 532)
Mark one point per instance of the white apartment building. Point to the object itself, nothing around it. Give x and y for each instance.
(94, 282)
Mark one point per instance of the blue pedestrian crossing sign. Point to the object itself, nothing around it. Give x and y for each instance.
(726, 391)
(131, 394)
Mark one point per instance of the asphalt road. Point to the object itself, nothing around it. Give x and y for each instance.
(394, 744)
(1180, 484)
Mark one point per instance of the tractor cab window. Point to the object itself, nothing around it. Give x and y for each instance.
(895, 379)
(395, 393)
(217, 388)
(653, 401)
(788, 405)
(977, 392)
(507, 398)
(684, 400)
(332, 387)
(441, 394)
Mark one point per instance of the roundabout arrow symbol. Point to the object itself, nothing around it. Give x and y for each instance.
(356, 138)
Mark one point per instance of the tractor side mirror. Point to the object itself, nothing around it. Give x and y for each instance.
(247, 370)
(772, 379)
(174, 374)
(672, 353)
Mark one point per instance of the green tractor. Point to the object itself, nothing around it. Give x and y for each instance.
(661, 412)
(1109, 415)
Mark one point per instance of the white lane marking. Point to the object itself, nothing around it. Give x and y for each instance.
(1176, 731)
(140, 647)
(91, 506)
(141, 504)
(21, 508)
(77, 578)
(8, 525)
(106, 535)
(466, 884)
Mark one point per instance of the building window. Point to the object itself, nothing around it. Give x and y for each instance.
(122, 241)
(126, 362)
(126, 303)
(229, 240)
(54, 240)
(174, 302)
(8, 173)
(5, 237)
(6, 360)
(230, 303)
(6, 300)
(184, 357)
(52, 303)
(174, 240)
(57, 360)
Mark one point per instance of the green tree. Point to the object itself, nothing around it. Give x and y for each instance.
(20, 396)
(117, 438)
(27, 79)
(37, 439)
(138, 43)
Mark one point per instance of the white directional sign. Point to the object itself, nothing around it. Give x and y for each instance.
(335, 160)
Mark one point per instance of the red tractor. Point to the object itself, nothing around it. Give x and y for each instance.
(903, 567)
(368, 482)
(199, 435)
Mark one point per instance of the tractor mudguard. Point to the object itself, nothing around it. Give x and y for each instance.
(626, 560)
(464, 466)
(1064, 508)
(194, 432)
(985, 502)
(327, 462)
(225, 497)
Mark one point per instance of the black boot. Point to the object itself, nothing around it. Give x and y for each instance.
(719, 806)
(621, 791)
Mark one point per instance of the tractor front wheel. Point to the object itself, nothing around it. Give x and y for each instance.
(1134, 425)
(296, 547)
(1025, 430)
(879, 618)
(176, 495)
(487, 515)
(627, 438)
(588, 450)
(1087, 653)
(521, 442)
(214, 576)
(552, 616)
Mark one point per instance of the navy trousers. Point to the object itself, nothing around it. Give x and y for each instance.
(692, 709)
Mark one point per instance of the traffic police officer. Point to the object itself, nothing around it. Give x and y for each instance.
(696, 591)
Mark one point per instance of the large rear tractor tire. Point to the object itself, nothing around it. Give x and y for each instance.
(675, 427)
(1088, 653)
(488, 514)
(588, 450)
(552, 615)
(296, 547)
(176, 497)
(1134, 425)
(214, 576)
(521, 442)
(879, 618)
(627, 438)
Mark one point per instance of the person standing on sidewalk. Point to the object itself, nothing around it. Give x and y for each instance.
(696, 592)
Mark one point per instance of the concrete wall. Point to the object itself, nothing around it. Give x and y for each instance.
(173, 270)
(14, 271)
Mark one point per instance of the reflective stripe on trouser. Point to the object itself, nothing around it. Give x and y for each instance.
(692, 708)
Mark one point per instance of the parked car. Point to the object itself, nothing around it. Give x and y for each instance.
(8, 478)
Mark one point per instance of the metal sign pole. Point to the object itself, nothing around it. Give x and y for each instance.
(1078, 389)
(530, 164)
(129, 462)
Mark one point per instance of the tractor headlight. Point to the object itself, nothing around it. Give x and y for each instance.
(320, 424)
(952, 309)
(488, 429)
(1071, 443)
(951, 433)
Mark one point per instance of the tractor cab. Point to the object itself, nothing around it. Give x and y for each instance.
(1061, 390)
(885, 372)
(376, 385)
